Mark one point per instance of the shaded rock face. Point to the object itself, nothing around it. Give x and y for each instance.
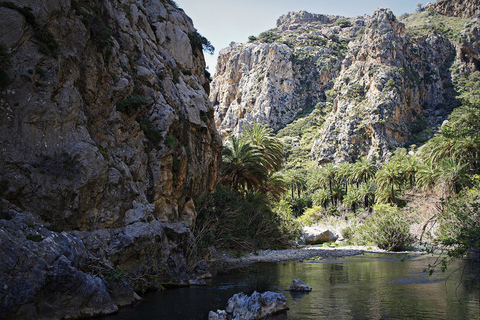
(68, 154)
(41, 274)
(107, 136)
(271, 82)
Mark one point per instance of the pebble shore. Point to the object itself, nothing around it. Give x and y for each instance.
(299, 253)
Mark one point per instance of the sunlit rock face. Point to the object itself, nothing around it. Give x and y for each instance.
(385, 79)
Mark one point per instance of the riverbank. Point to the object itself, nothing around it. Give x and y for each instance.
(227, 262)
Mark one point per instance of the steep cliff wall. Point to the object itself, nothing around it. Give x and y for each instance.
(69, 154)
(387, 81)
(106, 132)
(286, 70)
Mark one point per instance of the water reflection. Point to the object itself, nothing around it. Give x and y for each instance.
(370, 286)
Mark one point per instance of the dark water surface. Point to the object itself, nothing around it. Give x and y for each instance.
(369, 286)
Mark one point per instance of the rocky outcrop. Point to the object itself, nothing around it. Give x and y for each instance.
(458, 8)
(110, 109)
(388, 81)
(41, 274)
(256, 306)
(382, 83)
(108, 138)
(286, 71)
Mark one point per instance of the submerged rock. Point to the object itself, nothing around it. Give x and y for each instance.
(299, 285)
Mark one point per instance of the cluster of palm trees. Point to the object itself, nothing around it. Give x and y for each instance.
(443, 166)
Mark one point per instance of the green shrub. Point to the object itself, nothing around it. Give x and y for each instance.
(150, 131)
(343, 22)
(199, 42)
(459, 225)
(387, 228)
(269, 36)
(233, 221)
(171, 141)
(35, 238)
(260, 282)
(132, 104)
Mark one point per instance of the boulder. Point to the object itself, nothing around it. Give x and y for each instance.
(315, 235)
(256, 306)
(219, 315)
(299, 285)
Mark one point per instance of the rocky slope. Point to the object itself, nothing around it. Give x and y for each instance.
(107, 134)
(284, 71)
(383, 82)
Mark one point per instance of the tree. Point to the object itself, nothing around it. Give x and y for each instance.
(363, 170)
(366, 191)
(344, 174)
(387, 178)
(351, 199)
(271, 148)
(243, 165)
(274, 186)
(321, 197)
(295, 182)
(419, 7)
(426, 176)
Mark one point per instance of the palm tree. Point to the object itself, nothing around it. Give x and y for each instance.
(321, 197)
(272, 148)
(363, 170)
(243, 165)
(409, 168)
(274, 186)
(344, 174)
(451, 176)
(426, 176)
(351, 199)
(295, 181)
(328, 177)
(366, 191)
(387, 178)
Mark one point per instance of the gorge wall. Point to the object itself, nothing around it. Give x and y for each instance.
(106, 134)
(383, 82)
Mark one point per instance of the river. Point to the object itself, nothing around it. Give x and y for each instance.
(368, 286)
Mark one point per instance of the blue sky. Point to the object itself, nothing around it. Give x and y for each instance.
(224, 21)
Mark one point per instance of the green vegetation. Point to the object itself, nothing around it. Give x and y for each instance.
(199, 42)
(429, 22)
(132, 104)
(343, 22)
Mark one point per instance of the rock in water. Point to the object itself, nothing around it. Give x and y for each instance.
(299, 285)
(256, 306)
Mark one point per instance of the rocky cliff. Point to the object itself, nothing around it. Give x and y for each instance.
(384, 82)
(284, 71)
(107, 134)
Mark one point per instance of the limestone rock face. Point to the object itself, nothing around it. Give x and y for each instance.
(69, 153)
(107, 136)
(288, 71)
(458, 8)
(388, 81)
(382, 83)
